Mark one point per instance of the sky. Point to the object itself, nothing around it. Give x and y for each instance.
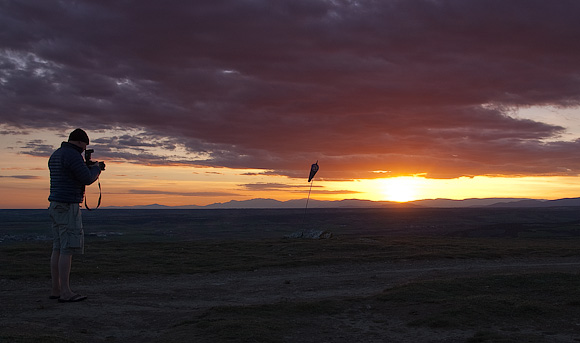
(197, 102)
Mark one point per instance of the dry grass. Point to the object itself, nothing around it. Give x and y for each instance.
(503, 308)
(117, 258)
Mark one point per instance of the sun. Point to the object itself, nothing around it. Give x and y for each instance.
(401, 189)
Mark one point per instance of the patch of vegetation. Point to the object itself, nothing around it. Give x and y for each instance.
(28, 338)
(502, 337)
(118, 258)
(511, 308)
(261, 323)
(533, 298)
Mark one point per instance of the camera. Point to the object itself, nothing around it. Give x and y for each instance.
(89, 162)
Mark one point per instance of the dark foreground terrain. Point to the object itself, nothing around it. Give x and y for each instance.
(395, 275)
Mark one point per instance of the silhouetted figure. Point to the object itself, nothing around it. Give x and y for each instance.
(69, 174)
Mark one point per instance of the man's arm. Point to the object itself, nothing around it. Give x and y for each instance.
(83, 173)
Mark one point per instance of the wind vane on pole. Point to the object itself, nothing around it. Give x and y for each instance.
(313, 169)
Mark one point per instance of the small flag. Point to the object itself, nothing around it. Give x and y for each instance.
(313, 170)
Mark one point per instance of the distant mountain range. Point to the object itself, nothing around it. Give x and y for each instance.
(356, 203)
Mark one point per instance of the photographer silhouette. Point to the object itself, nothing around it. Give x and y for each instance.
(69, 174)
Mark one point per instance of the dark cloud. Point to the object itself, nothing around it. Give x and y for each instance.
(22, 177)
(184, 194)
(272, 186)
(326, 191)
(404, 86)
(36, 147)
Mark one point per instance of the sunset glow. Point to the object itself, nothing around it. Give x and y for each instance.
(402, 189)
(126, 184)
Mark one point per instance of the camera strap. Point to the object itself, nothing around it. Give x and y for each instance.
(100, 195)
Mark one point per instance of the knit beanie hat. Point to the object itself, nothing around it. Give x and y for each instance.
(79, 135)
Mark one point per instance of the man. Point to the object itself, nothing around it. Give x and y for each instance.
(69, 174)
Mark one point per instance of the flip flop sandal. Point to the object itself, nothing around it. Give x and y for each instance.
(73, 299)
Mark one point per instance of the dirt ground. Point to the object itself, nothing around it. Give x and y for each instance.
(145, 309)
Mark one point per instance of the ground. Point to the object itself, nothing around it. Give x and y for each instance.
(174, 307)
(386, 275)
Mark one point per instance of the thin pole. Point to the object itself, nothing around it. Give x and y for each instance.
(308, 199)
(313, 170)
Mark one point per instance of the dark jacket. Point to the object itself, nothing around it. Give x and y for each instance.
(69, 174)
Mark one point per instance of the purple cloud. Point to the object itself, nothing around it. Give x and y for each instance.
(406, 86)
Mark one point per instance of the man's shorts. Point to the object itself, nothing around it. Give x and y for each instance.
(67, 228)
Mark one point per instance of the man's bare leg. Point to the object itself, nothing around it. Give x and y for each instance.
(64, 267)
(54, 261)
